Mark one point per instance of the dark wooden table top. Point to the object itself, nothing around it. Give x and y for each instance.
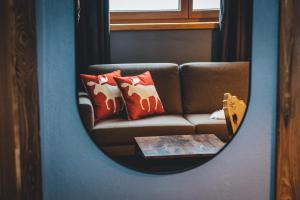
(179, 145)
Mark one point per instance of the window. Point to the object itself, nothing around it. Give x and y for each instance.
(206, 4)
(144, 5)
(157, 11)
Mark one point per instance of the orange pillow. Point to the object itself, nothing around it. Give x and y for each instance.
(104, 93)
(140, 96)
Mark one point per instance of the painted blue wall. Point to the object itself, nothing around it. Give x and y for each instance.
(74, 168)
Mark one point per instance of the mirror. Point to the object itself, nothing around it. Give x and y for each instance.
(163, 87)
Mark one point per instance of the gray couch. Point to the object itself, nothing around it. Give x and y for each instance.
(189, 93)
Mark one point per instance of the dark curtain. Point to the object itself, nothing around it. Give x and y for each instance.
(92, 33)
(235, 30)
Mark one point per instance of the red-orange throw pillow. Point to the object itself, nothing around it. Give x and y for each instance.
(104, 93)
(140, 96)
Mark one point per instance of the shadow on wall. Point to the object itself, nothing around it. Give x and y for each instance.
(167, 46)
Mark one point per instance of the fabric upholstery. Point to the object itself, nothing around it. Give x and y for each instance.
(165, 76)
(205, 125)
(235, 30)
(122, 132)
(140, 96)
(104, 93)
(83, 93)
(86, 111)
(204, 84)
(92, 33)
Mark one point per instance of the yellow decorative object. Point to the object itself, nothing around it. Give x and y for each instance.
(234, 110)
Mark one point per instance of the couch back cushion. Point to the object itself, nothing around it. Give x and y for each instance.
(165, 76)
(204, 84)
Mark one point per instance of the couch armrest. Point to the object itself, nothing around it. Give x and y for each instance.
(86, 111)
(83, 94)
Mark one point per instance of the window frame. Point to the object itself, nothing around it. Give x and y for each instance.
(185, 14)
(204, 15)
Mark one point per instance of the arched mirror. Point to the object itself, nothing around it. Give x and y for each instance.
(163, 86)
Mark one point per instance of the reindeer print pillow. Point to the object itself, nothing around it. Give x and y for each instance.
(140, 96)
(104, 93)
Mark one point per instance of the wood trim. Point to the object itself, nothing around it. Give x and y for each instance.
(186, 14)
(162, 21)
(288, 138)
(182, 13)
(20, 159)
(205, 15)
(164, 26)
(9, 188)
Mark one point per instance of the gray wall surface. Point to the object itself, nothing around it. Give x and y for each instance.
(74, 168)
(174, 46)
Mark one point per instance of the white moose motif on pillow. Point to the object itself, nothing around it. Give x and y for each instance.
(111, 92)
(143, 91)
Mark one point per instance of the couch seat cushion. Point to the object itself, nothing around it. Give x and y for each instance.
(120, 131)
(205, 125)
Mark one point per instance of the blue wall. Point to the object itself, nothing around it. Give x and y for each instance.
(74, 168)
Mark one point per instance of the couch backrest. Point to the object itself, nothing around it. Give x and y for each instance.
(204, 84)
(165, 76)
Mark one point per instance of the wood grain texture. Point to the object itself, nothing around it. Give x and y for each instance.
(177, 146)
(136, 21)
(164, 26)
(20, 116)
(8, 177)
(288, 140)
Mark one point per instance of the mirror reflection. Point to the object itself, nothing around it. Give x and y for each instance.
(162, 87)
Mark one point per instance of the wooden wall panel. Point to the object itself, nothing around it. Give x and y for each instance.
(8, 177)
(288, 140)
(19, 115)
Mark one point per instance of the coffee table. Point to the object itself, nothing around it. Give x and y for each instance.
(177, 146)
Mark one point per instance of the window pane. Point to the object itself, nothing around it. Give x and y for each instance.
(206, 4)
(144, 5)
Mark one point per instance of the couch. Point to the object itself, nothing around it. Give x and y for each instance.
(189, 93)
